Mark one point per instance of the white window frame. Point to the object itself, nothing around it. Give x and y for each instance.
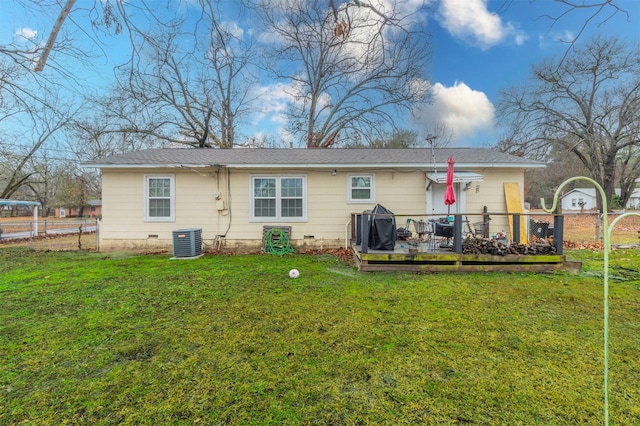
(278, 217)
(371, 199)
(172, 198)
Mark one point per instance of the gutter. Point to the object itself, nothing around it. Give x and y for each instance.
(369, 166)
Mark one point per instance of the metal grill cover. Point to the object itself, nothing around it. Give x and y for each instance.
(382, 232)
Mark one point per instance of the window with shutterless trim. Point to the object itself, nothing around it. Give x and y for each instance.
(159, 198)
(278, 198)
(360, 188)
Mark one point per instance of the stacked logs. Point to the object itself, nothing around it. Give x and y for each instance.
(497, 248)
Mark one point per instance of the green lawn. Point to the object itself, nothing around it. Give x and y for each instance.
(94, 338)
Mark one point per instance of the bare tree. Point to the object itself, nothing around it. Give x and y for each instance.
(589, 105)
(91, 137)
(54, 34)
(399, 139)
(74, 187)
(541, 183)
(43, 182)
(598, 12)
(195, 95)
(437, 134)
(32, 110)
(351, 69)
(45, 120)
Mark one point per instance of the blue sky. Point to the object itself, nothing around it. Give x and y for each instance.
(479, 47)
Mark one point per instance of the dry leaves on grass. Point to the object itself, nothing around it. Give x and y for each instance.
(583, 245)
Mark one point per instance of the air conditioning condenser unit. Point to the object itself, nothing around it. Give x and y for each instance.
(187, 243)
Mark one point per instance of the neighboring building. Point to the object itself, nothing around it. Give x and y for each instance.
(92, 209)
(634, 200)
(579, 199)
(231, 194)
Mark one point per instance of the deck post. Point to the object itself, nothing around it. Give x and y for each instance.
(558, 232)
(364, 232)
(457, 233)
(516, 228)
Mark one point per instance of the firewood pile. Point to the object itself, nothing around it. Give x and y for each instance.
(497, 248)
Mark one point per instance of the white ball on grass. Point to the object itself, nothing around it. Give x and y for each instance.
(294, 273)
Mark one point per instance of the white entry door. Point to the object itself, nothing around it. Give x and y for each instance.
(435, 200)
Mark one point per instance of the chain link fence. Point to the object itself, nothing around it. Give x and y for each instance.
(584, 229)
(50, 234)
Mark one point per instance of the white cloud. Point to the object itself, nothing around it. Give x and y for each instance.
(268, 123)
(462, 110)
(274, 101)
(471, 21)
(232, 28)
(26, 33)
(547, 40)
(278, 97)
(368, 21)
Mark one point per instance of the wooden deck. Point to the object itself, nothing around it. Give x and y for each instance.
(428, 254)
(445, 260)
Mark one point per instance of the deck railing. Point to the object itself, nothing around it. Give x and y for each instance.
(521, 227)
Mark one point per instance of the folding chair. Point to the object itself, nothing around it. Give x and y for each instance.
(420, 227)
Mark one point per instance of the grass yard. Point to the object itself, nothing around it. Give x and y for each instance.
(94, 338)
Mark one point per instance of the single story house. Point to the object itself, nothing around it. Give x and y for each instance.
(233, 194)
(579, 199)
(92, 209)
(634, 200)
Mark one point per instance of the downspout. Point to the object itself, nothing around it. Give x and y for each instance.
(346, 234)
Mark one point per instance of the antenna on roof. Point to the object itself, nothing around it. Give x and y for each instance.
(431, 140)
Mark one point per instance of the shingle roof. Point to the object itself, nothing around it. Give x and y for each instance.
(334, 157)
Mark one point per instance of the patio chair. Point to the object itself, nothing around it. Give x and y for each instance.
(477, 229)
(421, 229)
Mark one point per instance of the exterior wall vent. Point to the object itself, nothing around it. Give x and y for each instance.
(187, 243)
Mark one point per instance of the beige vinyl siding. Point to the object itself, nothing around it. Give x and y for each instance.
(490, 193)
(401, 192)
(123, 224)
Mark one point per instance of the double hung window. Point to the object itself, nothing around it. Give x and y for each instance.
(278, 198)
(159, 201)
(361, 188)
